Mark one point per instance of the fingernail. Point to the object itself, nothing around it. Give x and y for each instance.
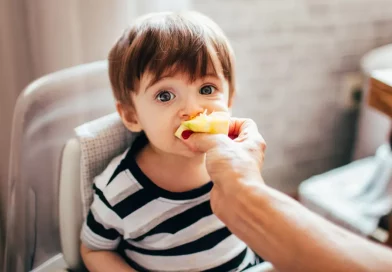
(186, 134)
(232, 136)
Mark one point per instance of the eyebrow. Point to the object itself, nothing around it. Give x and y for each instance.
(153, 82)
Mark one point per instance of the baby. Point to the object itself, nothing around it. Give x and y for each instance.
(151, 208)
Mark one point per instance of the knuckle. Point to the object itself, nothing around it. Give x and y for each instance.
(263, 145)
(252, 122)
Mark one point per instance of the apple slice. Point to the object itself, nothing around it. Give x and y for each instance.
(214, 123)
(180, 130)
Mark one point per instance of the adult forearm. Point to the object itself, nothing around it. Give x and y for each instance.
(294, 239)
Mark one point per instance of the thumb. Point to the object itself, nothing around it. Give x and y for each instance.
(202, 142)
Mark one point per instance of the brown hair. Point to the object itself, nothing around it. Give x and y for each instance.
(167, 43)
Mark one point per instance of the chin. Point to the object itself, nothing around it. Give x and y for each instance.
(185, 152)
(178, 148)
(190, 154)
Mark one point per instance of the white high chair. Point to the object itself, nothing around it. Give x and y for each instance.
(52, 166)
(45, 116)
(85, 157)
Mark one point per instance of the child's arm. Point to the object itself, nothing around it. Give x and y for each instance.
(103, 260)
(101, 235)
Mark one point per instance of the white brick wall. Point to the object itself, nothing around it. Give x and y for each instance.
(291, 55)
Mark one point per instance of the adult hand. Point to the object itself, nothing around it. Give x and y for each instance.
(231, 161)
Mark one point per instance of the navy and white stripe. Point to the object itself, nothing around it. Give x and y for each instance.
(157, 230)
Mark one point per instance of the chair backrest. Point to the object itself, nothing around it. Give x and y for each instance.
(45, 116)
(84, 158)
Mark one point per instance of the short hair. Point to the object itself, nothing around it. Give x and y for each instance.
(167, 43)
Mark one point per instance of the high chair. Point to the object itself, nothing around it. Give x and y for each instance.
(45, 116)
(64, 134)
(85, 157)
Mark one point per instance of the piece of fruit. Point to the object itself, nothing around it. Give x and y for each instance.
(180, 130)
(215, 123)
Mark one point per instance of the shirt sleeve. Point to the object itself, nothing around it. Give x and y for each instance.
(102, 228)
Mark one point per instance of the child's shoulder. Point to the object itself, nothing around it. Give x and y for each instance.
(117, 169)
(111, 171)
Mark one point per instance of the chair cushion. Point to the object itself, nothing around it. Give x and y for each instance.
(100, 141)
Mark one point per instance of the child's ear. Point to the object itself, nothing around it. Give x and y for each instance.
(230, 102)
(129, 117)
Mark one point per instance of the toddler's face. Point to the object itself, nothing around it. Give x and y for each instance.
(163, 105)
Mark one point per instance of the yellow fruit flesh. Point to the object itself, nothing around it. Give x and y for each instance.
(215, 123)
(180, 130)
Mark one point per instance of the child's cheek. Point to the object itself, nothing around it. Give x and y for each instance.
(220, 105)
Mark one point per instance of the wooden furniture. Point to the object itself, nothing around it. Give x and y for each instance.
(380, 91)
(380, 98)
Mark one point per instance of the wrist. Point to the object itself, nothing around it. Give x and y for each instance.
(248, 196)
(249, 183)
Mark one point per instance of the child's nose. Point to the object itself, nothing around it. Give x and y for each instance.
(191, 109)
(188, 115)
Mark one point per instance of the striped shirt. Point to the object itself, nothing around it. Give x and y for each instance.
(157, 230)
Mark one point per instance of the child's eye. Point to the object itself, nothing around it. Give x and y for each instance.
(165, 96)
(206, 90)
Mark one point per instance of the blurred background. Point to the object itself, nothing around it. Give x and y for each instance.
(298, 65)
